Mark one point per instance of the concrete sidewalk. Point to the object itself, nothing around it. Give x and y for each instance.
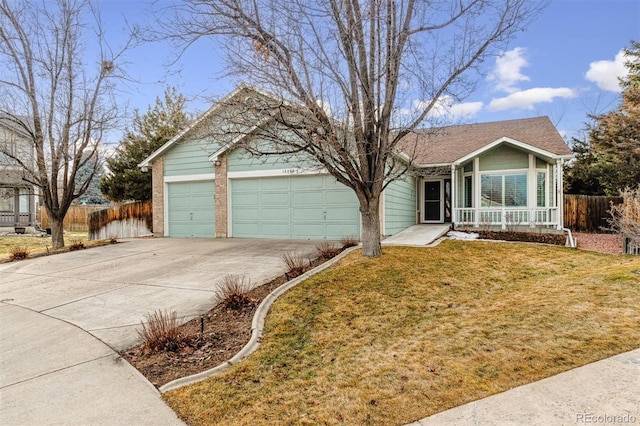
(603, 392)
(64, 318)
(417, 235)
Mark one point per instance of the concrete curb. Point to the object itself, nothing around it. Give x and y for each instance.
(257, 326)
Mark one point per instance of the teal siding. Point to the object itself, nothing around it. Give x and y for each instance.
(240, 160)
(189, 158)
(400, 205)
(504, 157)
(191, 209)
(300, 207)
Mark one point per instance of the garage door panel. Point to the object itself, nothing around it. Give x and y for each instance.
(278, 214)
(274, 199)
(308, 231)
(273, 230)
(308, 182)
(244, 199)
(342, 214)
(307, 214)
(275, 184)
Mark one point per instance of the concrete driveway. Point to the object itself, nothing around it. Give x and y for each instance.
(64, 317)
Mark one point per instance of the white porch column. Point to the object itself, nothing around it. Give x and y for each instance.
(454, 204)
(477, 189)
(560, 194)
(532, 186)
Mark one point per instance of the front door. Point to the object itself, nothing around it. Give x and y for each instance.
(432, 209)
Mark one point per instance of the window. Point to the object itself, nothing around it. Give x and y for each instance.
(24, 200)
(541, 186)
(6, 199)
(503, 190)
(468, 191)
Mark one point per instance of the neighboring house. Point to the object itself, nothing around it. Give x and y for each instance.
(504, 174)
(17, 197)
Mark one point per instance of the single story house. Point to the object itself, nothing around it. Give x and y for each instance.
(506, 173)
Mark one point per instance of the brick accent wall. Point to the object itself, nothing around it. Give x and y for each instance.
(157, 176)
(221, 197)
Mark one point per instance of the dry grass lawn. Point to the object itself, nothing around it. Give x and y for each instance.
(35, 244)
(420, 330)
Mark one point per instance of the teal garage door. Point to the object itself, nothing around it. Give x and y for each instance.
(191, 209)
(300, 207)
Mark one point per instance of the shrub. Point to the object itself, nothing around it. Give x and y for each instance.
(327, 250)
(294, 263)
(76, 245)
(349, 241)
(161, 333)
(232, 292)
(19, 253)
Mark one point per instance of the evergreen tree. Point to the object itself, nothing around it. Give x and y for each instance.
(609, 161)
(93, 171)
(148, 132)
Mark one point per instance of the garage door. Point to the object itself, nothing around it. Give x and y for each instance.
(191, 209)
(301, 207)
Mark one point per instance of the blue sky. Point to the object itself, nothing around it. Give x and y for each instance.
(564, 65)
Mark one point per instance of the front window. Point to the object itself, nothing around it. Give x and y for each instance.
(508, 190)
(541, 189)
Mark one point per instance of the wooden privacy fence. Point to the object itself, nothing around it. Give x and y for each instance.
(124, 221)
(77, 218)
(588, 213)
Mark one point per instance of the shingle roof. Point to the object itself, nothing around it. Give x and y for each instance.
(448, 144)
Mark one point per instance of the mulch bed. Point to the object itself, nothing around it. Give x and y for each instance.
(526, 237)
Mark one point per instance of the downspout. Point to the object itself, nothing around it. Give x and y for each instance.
(572, 242)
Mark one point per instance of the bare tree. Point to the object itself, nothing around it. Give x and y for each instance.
(59, 97)
(353, 77)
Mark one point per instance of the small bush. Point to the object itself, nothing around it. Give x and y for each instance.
(76, 245)
(19, 253)
(327, 250)
(161, 333)
(232, 292)
(294, 263)
(349, 241)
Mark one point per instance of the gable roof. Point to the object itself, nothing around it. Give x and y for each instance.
(224, 102)
(449, 144)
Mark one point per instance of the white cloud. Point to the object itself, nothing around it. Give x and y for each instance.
(446, 108)
(605, 73)
(528, 98)
(507, 73)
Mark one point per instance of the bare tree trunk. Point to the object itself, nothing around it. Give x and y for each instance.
(57, 231)
(371, 228)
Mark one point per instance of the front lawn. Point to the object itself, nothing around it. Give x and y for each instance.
(420, 330)
(34, 244)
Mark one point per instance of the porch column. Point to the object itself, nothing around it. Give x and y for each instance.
(532, 188)
(454, 204)
(560, 194)
(476, 192)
